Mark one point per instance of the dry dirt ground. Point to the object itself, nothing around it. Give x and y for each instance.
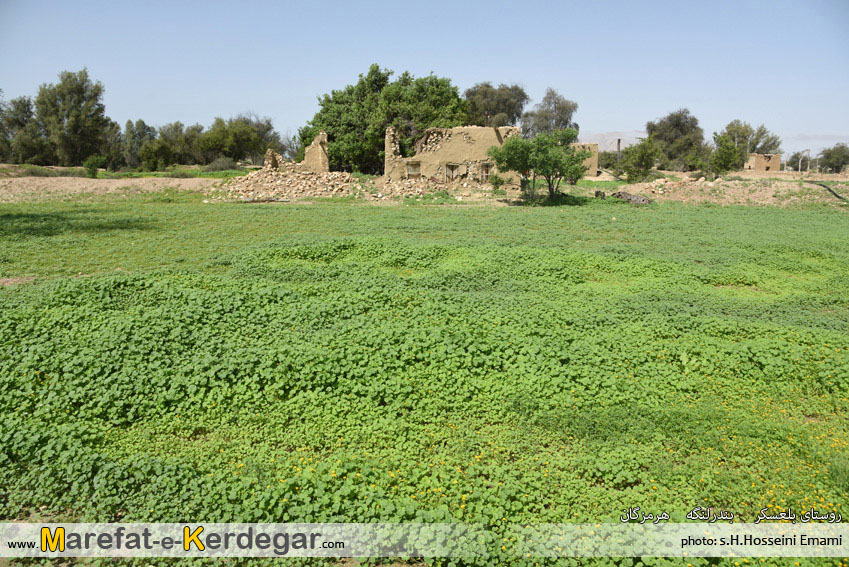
(16, 189)
(15, 281)
(742, 188)
(746, 188)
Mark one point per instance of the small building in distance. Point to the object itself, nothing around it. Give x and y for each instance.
(457, 154)
(763, 162)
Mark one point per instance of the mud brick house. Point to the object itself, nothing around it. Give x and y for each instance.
(763, 162)
(456, 155)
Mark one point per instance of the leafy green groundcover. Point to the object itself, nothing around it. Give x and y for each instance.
(367, 379)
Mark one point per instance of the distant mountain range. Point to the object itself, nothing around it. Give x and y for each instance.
(607, 140)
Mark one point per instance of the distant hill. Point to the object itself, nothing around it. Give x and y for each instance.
(607, 140)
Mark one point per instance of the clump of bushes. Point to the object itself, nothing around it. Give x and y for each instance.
(92, 164)
(639, 159)
(496, 181)
(221, 164)
(27, 170)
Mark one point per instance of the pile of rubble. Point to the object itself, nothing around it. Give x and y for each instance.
(281, 180)
(625, 196)
(414, 186)
(286, 184)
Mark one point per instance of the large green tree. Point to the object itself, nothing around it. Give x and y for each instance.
(73, 116)
(356, 117)
(173, 135)
(726, 155)
(515, 154)
(679, 138)
(798, 161)
(835, 159)
(267, 137)
(549, 155)
(27, 141)
(639, 159)
(5, 138)
(135, 135)
(553, 112)
(112, 145)
(750, 140)
(495, 106)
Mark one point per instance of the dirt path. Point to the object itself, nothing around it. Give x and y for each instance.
(17, 189)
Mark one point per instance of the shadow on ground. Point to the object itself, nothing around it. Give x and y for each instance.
(559, 200)
(62, 222)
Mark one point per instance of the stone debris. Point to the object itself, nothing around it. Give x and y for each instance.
(631, 198)
(432, 139)
(281, 180)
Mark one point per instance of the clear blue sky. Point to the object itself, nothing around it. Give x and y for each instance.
(785, 64)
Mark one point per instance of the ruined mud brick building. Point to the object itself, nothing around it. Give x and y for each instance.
(763, 162)
(315, 156)
(591, 163)
(456, 155)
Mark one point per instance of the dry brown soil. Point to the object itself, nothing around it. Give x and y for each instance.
(744, 188)
(16, 189)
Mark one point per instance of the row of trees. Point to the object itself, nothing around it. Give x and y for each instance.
(504, 106)
(676, 142)
(66, 123)
(680, 141)
(835, 158)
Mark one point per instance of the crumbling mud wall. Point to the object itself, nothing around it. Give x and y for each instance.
(457, 154)
(591, 163)
(763, 162)
(448, 154)
(315, 157)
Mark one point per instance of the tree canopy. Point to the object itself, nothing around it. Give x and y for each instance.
(503, 105)
(639, 159)
(73, 116)
(25, 139)
(67, 123)
(835, 159)
(679, 137)
(747, 139)
(798, 161)
(726, 155)
(356, 117)
(549, 155)
(553, 112)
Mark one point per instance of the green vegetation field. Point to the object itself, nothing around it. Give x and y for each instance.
(182, 361)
